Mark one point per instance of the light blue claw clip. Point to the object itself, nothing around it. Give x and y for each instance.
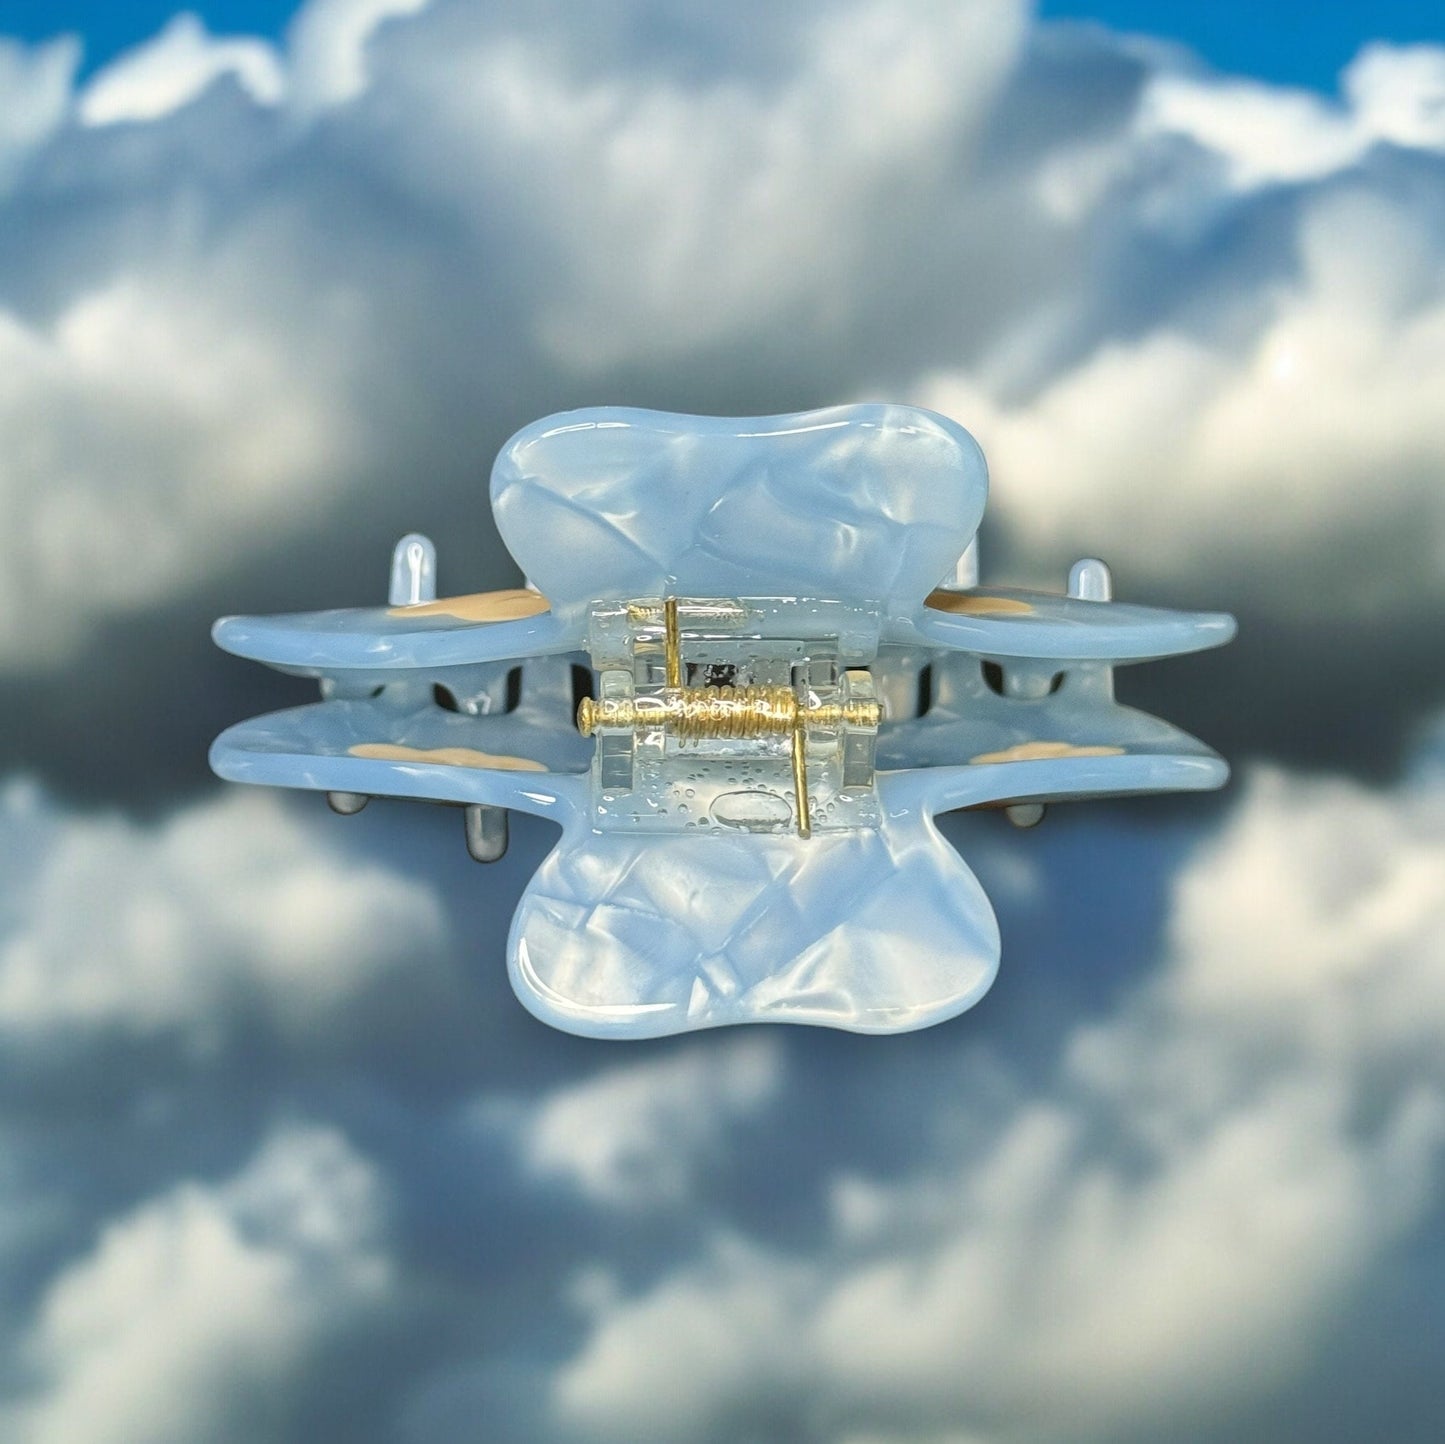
(783, 696)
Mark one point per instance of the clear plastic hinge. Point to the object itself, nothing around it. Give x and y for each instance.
(736, 714)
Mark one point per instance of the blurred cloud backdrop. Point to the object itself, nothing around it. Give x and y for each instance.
(284, 1160)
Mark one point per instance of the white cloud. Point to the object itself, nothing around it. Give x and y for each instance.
(1263, 133)
(189, 391)
(1286, 913)
(1303, 462)
(636, 1136)
(155, 426)
(231, 911)
(1267, 134)
(715, 1340)
(34, 97)
(327, 44)
(323, 64)
(243, 309)
(168, 72)
(726, 210)
(1188, 1208)
(196, 1314)
(679, 212)
(1399, 92)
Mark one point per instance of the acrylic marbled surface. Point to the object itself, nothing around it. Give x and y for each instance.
(855, 503)
(873, 931)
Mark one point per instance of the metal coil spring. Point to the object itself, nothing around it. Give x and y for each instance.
(695, 713)
(741, 712)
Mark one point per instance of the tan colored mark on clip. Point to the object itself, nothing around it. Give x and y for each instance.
(976, 604)
(444, 756)
(1045, 751)
(508, 605)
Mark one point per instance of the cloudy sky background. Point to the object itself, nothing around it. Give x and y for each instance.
(284, 1160)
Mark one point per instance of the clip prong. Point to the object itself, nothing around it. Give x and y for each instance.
(800, 777)
(673, 642)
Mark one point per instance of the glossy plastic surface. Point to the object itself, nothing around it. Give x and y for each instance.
(813, 886)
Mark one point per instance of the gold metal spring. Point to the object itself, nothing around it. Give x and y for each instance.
(742, 712)
(694, 713)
